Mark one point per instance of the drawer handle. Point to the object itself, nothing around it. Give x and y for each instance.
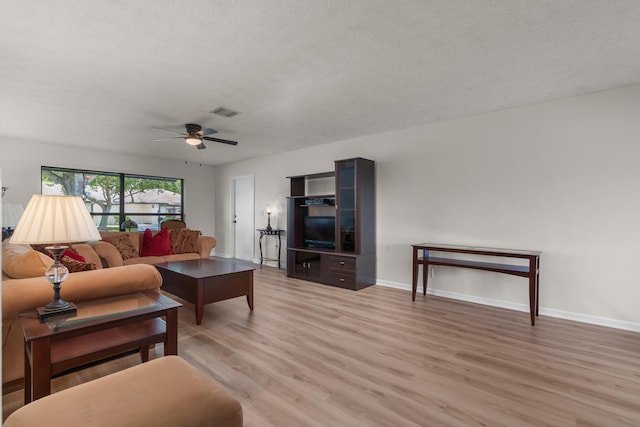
(342, 279)
(341, 262)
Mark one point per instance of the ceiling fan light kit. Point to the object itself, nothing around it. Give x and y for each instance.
(193, 140)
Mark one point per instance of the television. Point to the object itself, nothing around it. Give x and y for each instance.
(320, 232)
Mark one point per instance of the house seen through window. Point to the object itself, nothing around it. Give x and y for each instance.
(119, 201)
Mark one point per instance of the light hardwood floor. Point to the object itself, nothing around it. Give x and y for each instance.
(313, 355)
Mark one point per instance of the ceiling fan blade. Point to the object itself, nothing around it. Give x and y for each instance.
(224, 141)
(170, 130)
(201, 146)
(167, 139)
(209, 131)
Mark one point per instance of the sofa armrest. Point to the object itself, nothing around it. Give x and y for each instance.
(205, 245)
(109, 255)
(21, 295)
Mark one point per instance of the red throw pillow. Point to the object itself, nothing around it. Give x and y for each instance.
(73, 255)
(157, 245)
(70, 252)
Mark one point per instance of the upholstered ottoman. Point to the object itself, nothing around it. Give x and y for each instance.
(162, 392)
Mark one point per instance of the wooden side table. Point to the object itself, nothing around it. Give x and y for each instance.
(101, 328)
(273, 232)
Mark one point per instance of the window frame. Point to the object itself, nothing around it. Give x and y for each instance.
(122, 213)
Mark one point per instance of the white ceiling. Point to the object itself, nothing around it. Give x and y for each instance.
(102, 74)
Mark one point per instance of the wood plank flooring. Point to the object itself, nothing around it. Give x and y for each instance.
(313, 355)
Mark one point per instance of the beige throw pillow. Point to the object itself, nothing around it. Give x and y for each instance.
(123, 244)
(22, 262)
(184, 241)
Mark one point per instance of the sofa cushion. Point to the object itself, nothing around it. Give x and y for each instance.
(22, 262)
(157, 245)
(123, 244)
(181, 257)
(184, 241)
(144, 260)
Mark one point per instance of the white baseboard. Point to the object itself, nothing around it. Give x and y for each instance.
(578, 317)
(551, 312)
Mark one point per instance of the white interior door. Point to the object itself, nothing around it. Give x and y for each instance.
(242, 216)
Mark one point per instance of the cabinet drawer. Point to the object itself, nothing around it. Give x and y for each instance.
(341, 279)
(341, 263)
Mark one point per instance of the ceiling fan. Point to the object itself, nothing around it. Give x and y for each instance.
(195, 136)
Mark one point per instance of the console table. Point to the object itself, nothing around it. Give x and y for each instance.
(273, 232)
(422, 257)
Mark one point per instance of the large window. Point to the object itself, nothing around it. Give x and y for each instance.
(119, 201)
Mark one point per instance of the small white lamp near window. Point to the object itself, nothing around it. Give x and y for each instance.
(11, 214)
(55, 220)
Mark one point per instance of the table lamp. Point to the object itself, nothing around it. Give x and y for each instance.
(55, 220)
(268, 219)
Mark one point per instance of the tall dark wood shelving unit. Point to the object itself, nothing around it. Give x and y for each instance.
(352, 264)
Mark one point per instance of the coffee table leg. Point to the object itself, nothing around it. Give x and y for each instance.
(250, 291)
(199, 302)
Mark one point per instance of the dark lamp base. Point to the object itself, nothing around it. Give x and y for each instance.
(69, 310)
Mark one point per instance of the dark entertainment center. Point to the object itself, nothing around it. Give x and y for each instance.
(331, 236)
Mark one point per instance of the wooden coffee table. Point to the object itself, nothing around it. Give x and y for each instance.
(102, 328)
(203, 281)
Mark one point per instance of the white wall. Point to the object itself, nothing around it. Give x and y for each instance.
(562, 177)
(21, 161)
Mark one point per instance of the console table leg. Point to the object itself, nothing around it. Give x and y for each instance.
(260, 245)
(425, 277)
(537, 284)
(279, 250)
(533, 290)
(414, 282)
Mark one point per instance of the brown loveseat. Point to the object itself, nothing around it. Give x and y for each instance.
(24, 288)
(111, 256)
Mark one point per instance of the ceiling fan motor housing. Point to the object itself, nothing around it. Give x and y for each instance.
(192, 128)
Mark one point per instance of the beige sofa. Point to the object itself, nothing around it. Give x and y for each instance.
(24, 288)
(111, 257)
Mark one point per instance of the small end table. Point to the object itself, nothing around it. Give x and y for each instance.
(273, 232)
(101, 328)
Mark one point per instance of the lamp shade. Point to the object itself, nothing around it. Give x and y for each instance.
(11, 214)
(55, 219)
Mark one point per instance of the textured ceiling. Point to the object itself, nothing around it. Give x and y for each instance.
(102, 74)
